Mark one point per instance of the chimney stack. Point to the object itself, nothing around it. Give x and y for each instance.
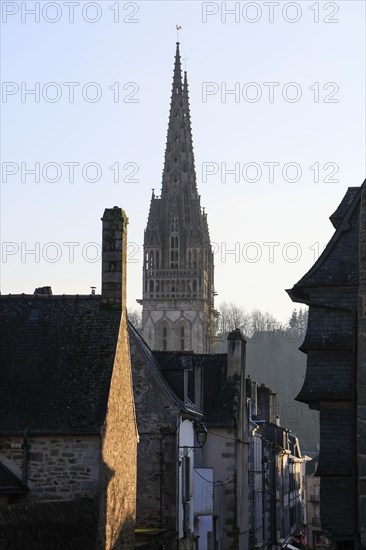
(43, 290)
(236, 349)
(114, 257)
(251, 392)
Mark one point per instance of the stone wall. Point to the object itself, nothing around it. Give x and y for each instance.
(219, 452)
(175, 314)
(118, 483)
(117, 513)
(59, 467)
(157, 450)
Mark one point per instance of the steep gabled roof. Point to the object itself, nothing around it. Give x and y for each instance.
(56, 360)
(337, 217)
(338, 264)
(186, 408)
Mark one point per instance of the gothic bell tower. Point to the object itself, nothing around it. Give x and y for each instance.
(178, 268)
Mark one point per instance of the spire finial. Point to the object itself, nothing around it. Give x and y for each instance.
(178, 27)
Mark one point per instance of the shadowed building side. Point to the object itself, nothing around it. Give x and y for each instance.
(361, 377)
(333, 292)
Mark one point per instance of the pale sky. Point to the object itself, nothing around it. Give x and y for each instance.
(292, 130)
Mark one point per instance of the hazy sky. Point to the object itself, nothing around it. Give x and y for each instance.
(277, 92)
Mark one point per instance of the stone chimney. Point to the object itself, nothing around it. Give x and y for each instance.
(267, 404)
(251, 393)
(114, 257)
(43, 290)
(236, 350)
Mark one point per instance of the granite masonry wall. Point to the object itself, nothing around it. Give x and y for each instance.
(119, 462)
(59, 467)
(157, 449)
(117, 511)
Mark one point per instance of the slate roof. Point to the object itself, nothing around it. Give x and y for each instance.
(337, 217)
(39, 525)
(56, 361)
(220, 395)
(338, 264)
(188, 407)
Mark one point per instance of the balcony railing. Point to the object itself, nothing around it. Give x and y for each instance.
(173, 295)
(171, 273)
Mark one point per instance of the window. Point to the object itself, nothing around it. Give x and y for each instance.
(174, 252)
(186, 479)
(165, 339)
(182, 338)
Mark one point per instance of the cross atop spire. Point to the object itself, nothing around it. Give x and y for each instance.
(178, 27)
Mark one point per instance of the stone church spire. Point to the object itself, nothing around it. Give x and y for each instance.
(178, 291)
(178, 176)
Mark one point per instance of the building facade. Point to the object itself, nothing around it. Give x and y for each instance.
(275, 473)
(334, 289)
(216, 384)
(178, 269)
(68, 437)
(166, 453)
(315, 537)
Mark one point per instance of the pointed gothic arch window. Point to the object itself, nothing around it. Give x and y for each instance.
(182, 335)
(174, 252)
(165, 339)
(182, 338)
(150, 256)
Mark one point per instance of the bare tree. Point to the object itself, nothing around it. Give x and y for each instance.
(232, 317)
(263, 321)
(135, 316)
